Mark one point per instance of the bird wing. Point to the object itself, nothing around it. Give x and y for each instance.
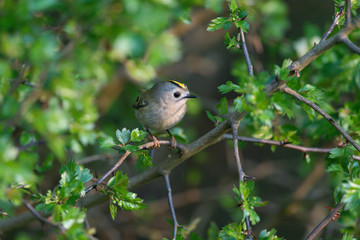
(140, 103)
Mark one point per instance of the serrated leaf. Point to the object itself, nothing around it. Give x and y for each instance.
(222, 106)
(131, 148)
(146, 159)
(210, 116)
(113, 210)
(217, 23)
(123, 136)
(336, 153)
(228, 87)
(238, 104)
(233, 5)
(137, 135)
(130, 202)
(119, 182)
(241, 13)
(243, 25)
(335, 168)
(232, 231)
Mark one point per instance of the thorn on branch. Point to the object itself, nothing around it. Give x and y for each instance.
(336, 216)
(334, 23)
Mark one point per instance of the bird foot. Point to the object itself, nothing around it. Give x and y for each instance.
(156, 143)
(173, 143)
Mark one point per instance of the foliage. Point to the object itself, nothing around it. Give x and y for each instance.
(59, 58)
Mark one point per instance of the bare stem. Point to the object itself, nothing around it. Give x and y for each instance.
(41, 218)
(335, 22)
(235, 127)
(350, 45)
(122, 159)
(171, 205)
(296, 95)
(246, 53)
(324, 222)
(348, 12)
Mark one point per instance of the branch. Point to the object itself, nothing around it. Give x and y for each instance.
(350, 45)
(348, 12)
(19, 80)
(124, 156)
(31, 144)
(335, 22)
(296, 95)
(171, 205)
(246, 53)
(323, 46)
(284, 145)
(235, 127)
(324, 222)
(41, 218)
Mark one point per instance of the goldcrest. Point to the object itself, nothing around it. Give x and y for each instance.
(162, 107)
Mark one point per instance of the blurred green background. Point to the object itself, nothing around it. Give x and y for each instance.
(77, 66)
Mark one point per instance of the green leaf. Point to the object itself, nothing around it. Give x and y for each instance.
(268, 235)
(351, 191)
(243, 25)
(113, 210)
(212, 232)
(130, 202)
(218, 23)
(210, 116)
(233, 6)
(335, 168)
(222, 106)
(145, 159)
(123, 136)
(137, 135)
(348, 236)
(228, 87)
(215, 119)
(130, 148)
(230, 42)
(238, 104)
(107, 142)
(232, 231)
(119, 182)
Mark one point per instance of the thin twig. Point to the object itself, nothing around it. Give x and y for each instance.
(296, 95)
(285, 145)
(335, 22)
(323, 46)
(324, 222)
(350, 45)
(96, 157)
(235, 127)
(124, 156)
(31, 144)
(348, 12)
(41, 218)
(171, 205)
(20, 79)
(246, 53)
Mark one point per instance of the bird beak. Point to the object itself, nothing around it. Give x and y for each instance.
(190, 96)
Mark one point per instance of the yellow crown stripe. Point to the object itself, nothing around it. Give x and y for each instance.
(179, 84)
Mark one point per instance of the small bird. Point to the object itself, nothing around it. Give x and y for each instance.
(162, 107)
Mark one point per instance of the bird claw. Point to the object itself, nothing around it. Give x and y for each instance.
(156, 143)
(173, 143)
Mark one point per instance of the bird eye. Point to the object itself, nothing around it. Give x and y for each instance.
(177, 94)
